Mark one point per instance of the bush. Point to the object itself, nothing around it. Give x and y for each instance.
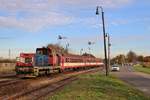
(147, 64)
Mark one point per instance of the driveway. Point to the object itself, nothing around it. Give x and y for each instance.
(139, 80)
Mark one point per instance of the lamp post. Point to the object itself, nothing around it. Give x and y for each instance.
(81, 51)
(67, 46)
(104, 35)
(61, 38)
(90, 43)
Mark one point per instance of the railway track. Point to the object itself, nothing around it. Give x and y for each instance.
(11, 75)
(8, 82)
(40, 89)
(40, 92)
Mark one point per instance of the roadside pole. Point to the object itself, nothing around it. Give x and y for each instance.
(104, 36)
(109, 45)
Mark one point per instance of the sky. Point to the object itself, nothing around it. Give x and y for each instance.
(28, 24)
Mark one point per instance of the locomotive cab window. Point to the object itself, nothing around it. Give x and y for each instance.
(39, 52)
(42, 51)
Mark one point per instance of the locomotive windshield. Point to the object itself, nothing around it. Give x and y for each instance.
(24, 59)
(28, 60)
(42, 51)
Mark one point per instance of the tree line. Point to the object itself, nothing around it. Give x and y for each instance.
(130, 57)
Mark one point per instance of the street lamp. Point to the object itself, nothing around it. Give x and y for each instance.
(104, 35)
(81, 51)
(61, 38)
(90, 43)
(67, 46)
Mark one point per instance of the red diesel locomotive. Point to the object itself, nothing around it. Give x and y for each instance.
(47, 60)
(24, 64)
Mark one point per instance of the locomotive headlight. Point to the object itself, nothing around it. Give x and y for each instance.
(18, 59)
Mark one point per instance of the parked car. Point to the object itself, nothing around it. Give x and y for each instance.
(115, 67)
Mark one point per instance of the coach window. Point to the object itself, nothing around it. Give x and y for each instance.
(66, 59)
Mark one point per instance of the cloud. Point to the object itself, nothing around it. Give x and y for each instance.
(46, 4)
(119, 22)
(93, 3)
(35, 23)
(34, 15)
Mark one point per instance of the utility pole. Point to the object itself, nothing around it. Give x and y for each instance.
(109, 45)
(9, 53)
(104, 35)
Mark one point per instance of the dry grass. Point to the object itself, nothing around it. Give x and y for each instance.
(7, 68)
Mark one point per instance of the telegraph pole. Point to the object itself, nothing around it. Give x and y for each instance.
(109, 45)
(9, 53)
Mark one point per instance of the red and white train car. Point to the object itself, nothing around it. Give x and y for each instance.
(78, 61)
(46, 60)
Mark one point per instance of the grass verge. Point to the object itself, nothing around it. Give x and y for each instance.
(140, 68)
(98, 87)
(5, 70)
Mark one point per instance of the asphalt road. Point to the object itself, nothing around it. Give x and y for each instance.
(137, 79)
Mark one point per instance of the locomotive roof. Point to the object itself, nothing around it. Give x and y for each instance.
(26, 54)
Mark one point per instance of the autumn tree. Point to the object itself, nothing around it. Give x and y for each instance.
(131, 56)
(147, 59)
(120, 59)
(57, 48)
(140, 58)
